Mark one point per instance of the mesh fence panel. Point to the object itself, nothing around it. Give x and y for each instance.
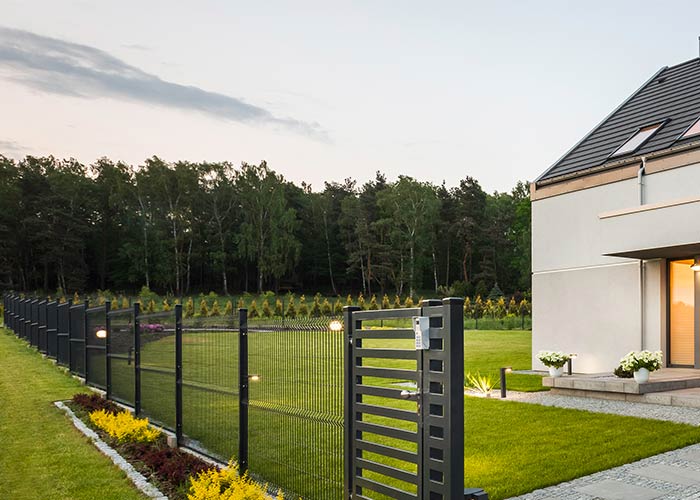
(210, 385)
(63, 313)
(34, 323)
(296, 406)
(158, 367)
(51, 328)
(121, 332)
(41, 329)
(77, 339)
(95, 340)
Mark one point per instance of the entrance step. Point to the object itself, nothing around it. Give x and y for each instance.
(670, 379)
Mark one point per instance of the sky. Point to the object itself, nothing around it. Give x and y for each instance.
(324, 90)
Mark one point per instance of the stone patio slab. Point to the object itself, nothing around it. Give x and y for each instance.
(669, 473)
(617, 490)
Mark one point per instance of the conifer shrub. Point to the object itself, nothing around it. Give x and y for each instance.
(203, 308)
(373, 306)
(253, 310)
(303, 309)
(125, 303)
(228, 310)
(385, 302)
(468, 308)
(76, 298)
(279, 312)
(215, 311)
(338, 308)
(151, 308)
(409, 302)
(512, 307)
(361, 301)
(189, 308)
(291, 311)
(326, 308)
(348, 301)
(266, 309)
(166, 305)
(397, 302)
(315, 308)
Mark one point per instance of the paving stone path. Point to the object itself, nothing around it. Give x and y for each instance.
(674, 475)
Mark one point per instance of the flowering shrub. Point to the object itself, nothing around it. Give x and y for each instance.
(152, 328)
(93, 402)
(635, 360)
(171, 465)
(124, 427)
(226, 484)
(554, 359)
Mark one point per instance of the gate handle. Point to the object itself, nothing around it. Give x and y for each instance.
(409, 395)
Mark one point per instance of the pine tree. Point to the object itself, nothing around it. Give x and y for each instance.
(166, 305)
(278, 308)
(203, 308)
(326, 308)
(409, 302)
(303, 308)
(189, 308)
(253, 310)
(291, 311)
(338, 308)
(215, 311)
(495, 293)
(151, 308)
(361, 301)
(373, 306)
(397, 302)
(385, 302)
(315, 308)
(228, 310)
(266, 309)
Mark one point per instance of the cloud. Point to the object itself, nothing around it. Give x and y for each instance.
(11, 147)
(60, 67)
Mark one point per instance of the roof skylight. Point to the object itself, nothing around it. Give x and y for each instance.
(693, 130)
(641, 136)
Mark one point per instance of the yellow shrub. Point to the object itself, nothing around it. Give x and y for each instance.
(124, 427)
(226, 484)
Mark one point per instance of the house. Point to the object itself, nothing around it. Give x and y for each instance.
(616, 232)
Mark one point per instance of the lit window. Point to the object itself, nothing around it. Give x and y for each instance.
(638, 138)
(693, 130)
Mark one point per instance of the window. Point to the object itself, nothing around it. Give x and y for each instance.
(641, 136)
(694, 129)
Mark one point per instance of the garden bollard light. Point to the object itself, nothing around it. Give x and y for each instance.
(569, 364)
(504, 370)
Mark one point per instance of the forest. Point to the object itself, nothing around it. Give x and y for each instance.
(181, 228)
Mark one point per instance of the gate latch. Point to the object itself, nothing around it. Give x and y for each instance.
(411, 395)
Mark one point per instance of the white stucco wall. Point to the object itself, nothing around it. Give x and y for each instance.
(588, 303)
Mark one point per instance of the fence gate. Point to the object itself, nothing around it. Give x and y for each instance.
(404, 406)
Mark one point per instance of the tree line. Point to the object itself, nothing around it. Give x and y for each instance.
(183, 227)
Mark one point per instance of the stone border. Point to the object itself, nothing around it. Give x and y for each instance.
(136, 477)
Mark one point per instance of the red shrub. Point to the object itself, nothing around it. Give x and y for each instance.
(94, 402)
(173, 465)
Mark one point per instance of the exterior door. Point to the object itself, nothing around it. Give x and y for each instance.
(683, 314)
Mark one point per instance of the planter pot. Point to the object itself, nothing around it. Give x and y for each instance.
(556, 372)
(641, 376)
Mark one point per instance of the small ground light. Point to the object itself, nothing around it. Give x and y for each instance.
(335, 325)
(568, 363)
(254, 378)
(504, 370)
(101, 334)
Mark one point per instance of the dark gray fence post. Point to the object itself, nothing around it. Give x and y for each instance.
(137, 359)
(178, 373)
(348, 399)
(86, 304)
(108, 351)
(243, 381)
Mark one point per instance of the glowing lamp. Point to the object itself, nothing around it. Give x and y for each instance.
(336, 325)
(101, 334)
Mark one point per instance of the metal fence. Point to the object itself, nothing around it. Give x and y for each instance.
(267, 393)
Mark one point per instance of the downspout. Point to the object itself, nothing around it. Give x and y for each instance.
(642, 280)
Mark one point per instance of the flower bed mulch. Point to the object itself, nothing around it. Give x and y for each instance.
(166, 468)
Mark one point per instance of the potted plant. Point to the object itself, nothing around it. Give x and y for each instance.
(555, 361)
(641, 363)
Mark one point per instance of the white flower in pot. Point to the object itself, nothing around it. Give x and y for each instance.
(555, 361)
(641, 363)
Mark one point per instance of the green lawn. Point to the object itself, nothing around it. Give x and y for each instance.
(41, 454)
(296, 413)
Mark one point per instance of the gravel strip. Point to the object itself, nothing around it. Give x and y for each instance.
(136, 477)
(678, 414)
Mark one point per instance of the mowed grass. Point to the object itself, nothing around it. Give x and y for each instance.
(41, 454)
(296, 414)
